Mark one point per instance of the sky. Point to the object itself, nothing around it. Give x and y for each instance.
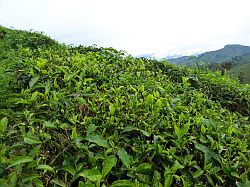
(157, 27)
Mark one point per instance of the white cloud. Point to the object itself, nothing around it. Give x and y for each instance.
(137, 26)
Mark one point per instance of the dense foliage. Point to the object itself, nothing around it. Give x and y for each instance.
(88, 116)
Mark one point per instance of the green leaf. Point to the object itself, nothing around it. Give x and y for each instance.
(29, 139)
(124, 156)
(185, 129)
(108, 164)
(45, 167)
(3, 124)
(33, 81)
(2, 169)
(122, 183)
(156, 179)
(73, 119)
(202, 148)
(98, 140)
(150, 98)
(73, 134)
(245, 184)
(91, 128)
(129, 128)
(41, 62)
(69, 169)
(177, 166)
(21, 160)
(177, 132)
(30, 177)
(112, 109)
(47, 87)
(145, 133)
(58, 182)
(82, 184)
(49, 124)
(146, 179)
(203, 129)
(144, 168)
(198, 173)
(230, 130)
(34, 96)
(168, 177)
(235, 174)
(91, 174)
(12, 178)
(208, 153)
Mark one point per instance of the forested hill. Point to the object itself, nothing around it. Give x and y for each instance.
(88, 116)
(237, 56)
(228, 53)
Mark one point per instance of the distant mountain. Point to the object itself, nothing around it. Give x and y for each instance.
(238, 55)
(222, 55)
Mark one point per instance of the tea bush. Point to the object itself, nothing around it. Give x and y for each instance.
(89, 116)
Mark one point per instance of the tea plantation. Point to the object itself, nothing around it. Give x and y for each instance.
(89, 116)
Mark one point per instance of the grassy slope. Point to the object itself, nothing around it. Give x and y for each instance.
(72, 116)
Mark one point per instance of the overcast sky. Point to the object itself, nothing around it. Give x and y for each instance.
(159, 27)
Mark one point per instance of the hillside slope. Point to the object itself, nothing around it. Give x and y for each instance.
(87, 116)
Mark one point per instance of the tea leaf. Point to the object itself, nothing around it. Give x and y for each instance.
(33, 81)
(177, 166)
(122, 183)
(30, 177)
(124, 156)
(156, 179)
(129, 128)
(198, 173)
(91, 174)
(45, 167)
(49, 124)
(91, 128)
(69, 169)
(208, 152)
(144, 168)
(145, 133)
(29, 139)
(58, 182)
(81, 184)
(108, 164)
(12, 178)
(3, 124)
(112, 109)
(20, 160)
(168, 177)
(100, 141)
